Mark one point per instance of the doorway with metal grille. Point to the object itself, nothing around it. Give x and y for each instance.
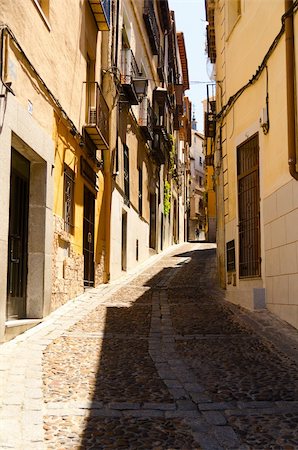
(249, 208)
(18, 237)
(88, 237)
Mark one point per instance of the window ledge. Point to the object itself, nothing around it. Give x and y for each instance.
(42, 14)
(233, 27)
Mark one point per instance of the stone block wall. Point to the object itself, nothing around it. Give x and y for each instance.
(99, 271)
(67, 267)
(281, 252)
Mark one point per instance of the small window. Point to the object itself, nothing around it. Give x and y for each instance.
(200, 181)
(231, 257)
(234, 12)
(201, 161)
(126, 171)
(69, 177)
(44, 7)
(140, 191)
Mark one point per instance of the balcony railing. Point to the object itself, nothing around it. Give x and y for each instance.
(177, 119)
(129, 73)
(97, 121)
(210, 125)
(102, 11)
(133, 84)
(161, 143)
(151, 26)
(146, 119)
(161, 65)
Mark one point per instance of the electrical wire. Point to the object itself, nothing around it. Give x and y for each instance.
(232, 100)
(5, 28)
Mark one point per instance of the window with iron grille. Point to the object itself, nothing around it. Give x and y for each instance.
(126, 171)
(69, 178)
(140, 191)
(231, 257)
(249, 208)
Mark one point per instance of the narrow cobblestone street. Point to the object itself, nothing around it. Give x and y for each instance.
(157, 361)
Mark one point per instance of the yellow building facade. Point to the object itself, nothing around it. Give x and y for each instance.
(253, 46)
(54, 140)
(209, 143)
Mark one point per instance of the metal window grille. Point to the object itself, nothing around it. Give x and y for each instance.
(140, 191)
(126, 171)
(69, 178)
(231, 257)
(249, 208)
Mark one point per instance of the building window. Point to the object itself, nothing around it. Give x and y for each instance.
(249, 208)
(126, 171)
(140, 194)
(234, 12)
(43, 7)
(201, 162)
(200, 181)
(69, 178)
(231, 258)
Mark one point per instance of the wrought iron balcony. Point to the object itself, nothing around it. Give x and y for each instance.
(209, 160)
(161, 105)
(161, 65)
(146, 119)
(132, 82)
(161, 144)
(151, 26)
(179, 92)
(177, 116)
(97, 121)
(102, 13)
(210, 124)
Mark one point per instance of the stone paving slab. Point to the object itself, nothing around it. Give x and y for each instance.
(206, 319)
(124, 433)
(267, 431)
(135, 319)
(102, 370)
(246, 370)
(156, 361)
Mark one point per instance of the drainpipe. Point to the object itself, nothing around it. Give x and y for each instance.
(291, 91)
(7, 85)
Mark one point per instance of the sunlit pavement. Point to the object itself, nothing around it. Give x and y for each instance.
(157, 360)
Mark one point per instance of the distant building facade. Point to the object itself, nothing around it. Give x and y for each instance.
(196, 185)
(209, 145)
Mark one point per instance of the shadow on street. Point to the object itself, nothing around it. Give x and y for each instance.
(106, 360)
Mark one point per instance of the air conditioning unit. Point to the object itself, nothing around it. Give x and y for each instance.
(92, 115)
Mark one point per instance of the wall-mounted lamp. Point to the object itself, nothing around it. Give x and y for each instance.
(141, 86)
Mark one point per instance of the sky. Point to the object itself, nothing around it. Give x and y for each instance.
(190, 19)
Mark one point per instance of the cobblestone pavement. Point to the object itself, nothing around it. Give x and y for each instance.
(157, 360)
